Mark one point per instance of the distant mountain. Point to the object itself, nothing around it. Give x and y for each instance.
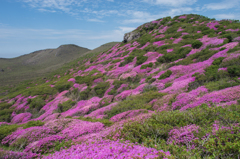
(39, 63)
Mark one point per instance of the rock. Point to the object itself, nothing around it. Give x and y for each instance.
(131, 36)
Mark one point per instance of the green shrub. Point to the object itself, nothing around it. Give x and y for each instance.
(147, 65)
(149, 88)
(236, 48)
(117, 60)
(87, 79)
(5, 115)
(165, 20)
(59, 145)
(218, 61)
(203, 55)
(40, 90)
(141, 59)
(101, 88)
(5, 105)
(144, 39)
(106, 122)
(234, 61)
(221, 84)
(223, 48)
(66, 105)
(196, 44)
(234, 70)
(85, 94)
(152, 80)
(185, 61)
(36, 103)
(134, 103)
(126, 61)
(228, 36)
(175, 55)
(148, 78)
(168, 84)
(33, 123)
(165, 75)
(117, 84)
(187, 36)
(62, 86)
(6, 130)
(112, 92)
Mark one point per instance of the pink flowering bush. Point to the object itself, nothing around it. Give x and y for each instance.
(108, 149)
(184, 136)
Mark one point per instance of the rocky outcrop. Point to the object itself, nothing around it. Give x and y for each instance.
(131, 36)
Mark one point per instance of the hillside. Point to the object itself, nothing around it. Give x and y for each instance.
(171, 89)
(38, 63)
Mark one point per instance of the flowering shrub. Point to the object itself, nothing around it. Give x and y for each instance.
(108, 149)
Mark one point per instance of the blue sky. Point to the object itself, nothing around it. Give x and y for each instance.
(30, 25)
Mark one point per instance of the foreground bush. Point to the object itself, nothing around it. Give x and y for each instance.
(200, 132)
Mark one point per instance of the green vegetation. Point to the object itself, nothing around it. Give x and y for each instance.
(40, 90)
(126, 61)
(165, 75)
(36, 103)
(6, 130)
(155, 132)
(41, 66)
(168, 85)
(178, 53)
(134, 103)
(62, 107)
(87, 79)
(117, 84)
(236, 48)
(5, 112)
(216, 80)
(199, 56)
(196, 44)
(147, 65)
(84, 95)
(32, 124)
(106, 122)
(117, 60)
(101, 88)
(141, 59)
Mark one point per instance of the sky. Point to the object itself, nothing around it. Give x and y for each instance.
(30, 25)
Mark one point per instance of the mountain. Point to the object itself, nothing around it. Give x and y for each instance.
(38, 63)
(42, 62)
(170, 89)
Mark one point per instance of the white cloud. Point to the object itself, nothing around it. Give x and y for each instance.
(95, 20)
(126, 29)
(175, 3)
(143, 17)
(226, 4)
(227, 16)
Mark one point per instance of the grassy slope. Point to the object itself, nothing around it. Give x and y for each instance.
(38, 63)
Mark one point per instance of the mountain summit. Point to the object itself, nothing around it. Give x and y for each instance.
(171, 89)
